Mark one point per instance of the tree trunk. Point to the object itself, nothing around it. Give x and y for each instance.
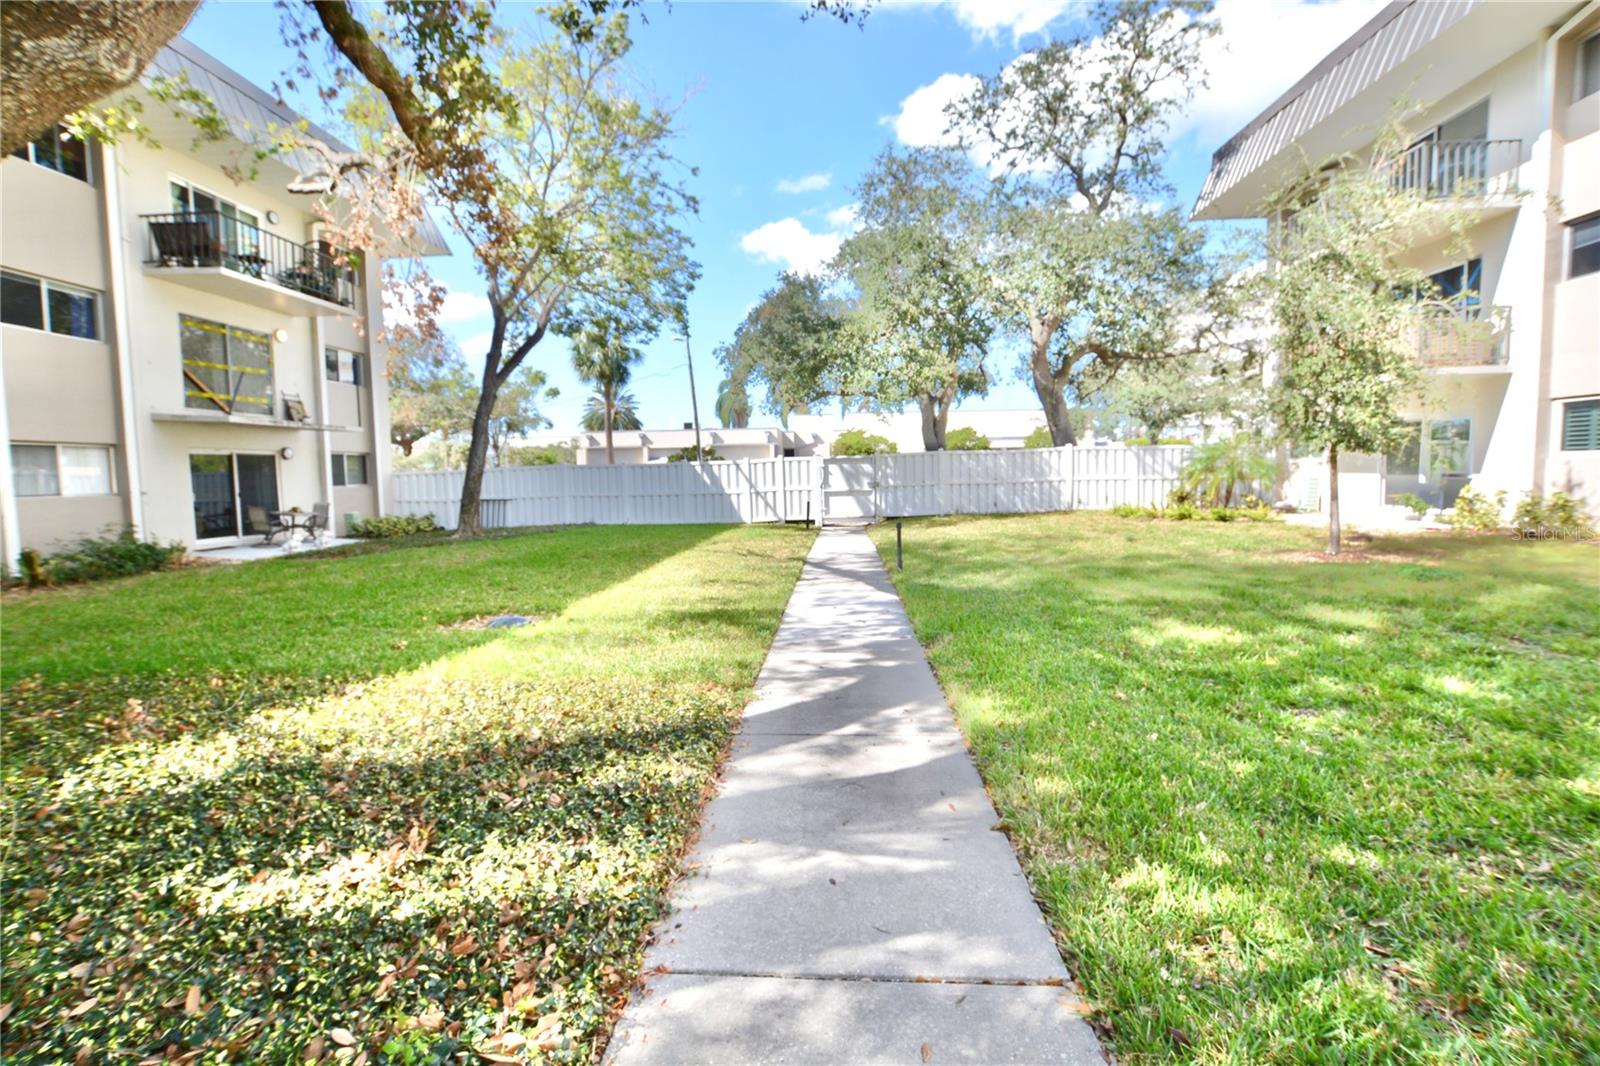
(611, 414)
(1333, 501)
(932, 433)
(468, 521)
(57, 58)
(1057, 415)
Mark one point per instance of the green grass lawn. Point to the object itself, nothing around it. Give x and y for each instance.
(257, 812)
(1284, 810)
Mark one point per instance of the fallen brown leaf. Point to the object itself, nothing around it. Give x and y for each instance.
(927, 1052)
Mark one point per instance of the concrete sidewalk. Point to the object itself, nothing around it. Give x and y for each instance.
(850, 900)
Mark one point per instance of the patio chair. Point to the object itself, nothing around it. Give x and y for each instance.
(185, 243)
(261, 518)
(317, 525)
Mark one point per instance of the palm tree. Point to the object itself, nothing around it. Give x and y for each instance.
(733, 404)
(1214, 469)
(602, 357)
(624, 413)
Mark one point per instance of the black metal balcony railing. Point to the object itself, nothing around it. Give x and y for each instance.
(1455, 334)
(212, 239)
(1458, 168)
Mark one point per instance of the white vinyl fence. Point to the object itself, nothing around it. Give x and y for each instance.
(789, 490)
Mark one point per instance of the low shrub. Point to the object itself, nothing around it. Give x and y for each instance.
(1417, 504)
(965, 439)
(686, 455)
(1133, 510)
(1561, 515)
(98, 558)
(860, 442)
(1142, 441)
(1476, 511)
(395, 525)
(1039, 438)
(1180, 509)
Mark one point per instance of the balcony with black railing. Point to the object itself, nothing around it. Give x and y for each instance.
(218, 253)
(1446, 169)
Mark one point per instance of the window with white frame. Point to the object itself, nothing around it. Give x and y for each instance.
(39, 304)
(349, 469)
(1589, 67)
(59, 151)
(61, 469)
(1584, 254)
(343, 366)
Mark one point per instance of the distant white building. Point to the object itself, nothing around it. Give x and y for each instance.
(805, 435)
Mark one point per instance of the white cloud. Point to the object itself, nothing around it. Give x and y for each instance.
(922, 122)
(809, 183)
(1257, 57)
(844, 218)
(987, 19)
(463, 307)
(788, 243)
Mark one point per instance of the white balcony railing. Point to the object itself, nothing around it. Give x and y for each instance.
(1444, 169)
(1448, 334)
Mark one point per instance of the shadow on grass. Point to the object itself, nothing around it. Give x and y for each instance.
(425, 856)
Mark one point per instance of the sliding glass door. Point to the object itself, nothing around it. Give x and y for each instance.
(233, 494)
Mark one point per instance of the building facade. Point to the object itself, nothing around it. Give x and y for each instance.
(182, 353)
(1510, 348)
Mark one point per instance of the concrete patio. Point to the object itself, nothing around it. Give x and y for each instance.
(249, 553)
(850, 899)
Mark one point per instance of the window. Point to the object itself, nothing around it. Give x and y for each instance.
(343, 366)
(1585, 257)
(61, 470)
(1450, 447)
(1589, 67)
(1459, 286)
(30, 302)
(1406, 460)
(1580, 426)
(239, 229)
(225, 368)
(60, 151)
(349, 469)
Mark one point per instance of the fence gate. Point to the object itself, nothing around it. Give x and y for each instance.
(850, 488)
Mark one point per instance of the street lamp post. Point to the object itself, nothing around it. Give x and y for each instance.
(694, 402)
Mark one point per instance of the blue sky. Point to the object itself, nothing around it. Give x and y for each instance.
(782, 117)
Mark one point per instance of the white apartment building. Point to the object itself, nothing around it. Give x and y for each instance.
(181, 353)
(1512, 98)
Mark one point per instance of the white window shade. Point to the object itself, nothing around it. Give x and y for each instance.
(85, 471)
(33, 469)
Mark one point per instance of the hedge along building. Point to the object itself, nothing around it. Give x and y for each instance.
(1511, 96)
(182, 351)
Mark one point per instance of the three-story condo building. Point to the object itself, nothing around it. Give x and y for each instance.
(1511, 98)
(183, 353)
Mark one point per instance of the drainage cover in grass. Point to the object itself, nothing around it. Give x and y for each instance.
(507, 621)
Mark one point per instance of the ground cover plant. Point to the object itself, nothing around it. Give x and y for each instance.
(296, 810)
(1281, 810)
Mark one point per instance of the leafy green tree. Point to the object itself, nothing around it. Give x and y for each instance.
(430, 389)
(624, 413)
(786, 345)
(1088, 277)
(516, 410)
(860, 442)
(1346, 356)
(581, 222)
(919, 328)
(603, 358)
(1156, 394)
